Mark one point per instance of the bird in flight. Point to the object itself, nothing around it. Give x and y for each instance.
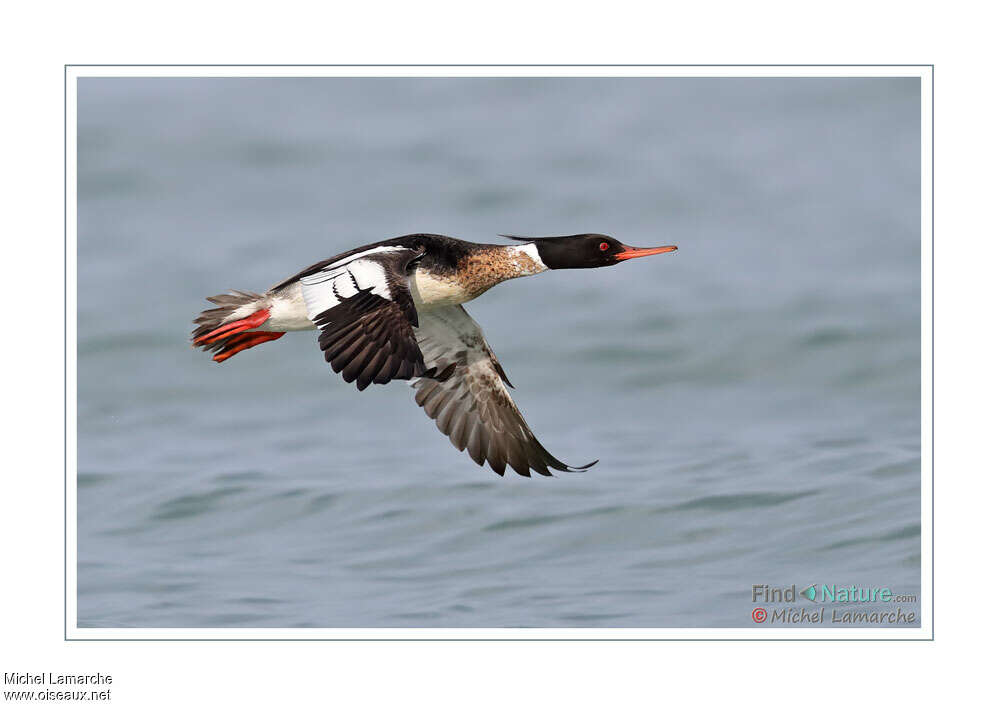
(393, 310)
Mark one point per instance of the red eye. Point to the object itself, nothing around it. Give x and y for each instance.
(604, 246)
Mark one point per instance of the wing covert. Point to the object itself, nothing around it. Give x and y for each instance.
(470, 403)
(365, 314)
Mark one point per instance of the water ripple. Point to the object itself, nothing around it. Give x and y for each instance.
(740, 501)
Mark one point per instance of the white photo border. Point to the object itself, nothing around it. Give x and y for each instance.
(922, 71)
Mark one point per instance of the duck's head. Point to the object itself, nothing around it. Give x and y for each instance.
(586, 250)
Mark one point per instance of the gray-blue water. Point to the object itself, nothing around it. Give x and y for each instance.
(753, 398)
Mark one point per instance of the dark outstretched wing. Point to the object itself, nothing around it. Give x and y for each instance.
(471, 404)
(365, 313)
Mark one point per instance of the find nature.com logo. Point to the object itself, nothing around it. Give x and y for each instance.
(833, 594)
(827, 593)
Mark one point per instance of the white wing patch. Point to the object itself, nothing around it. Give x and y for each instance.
(343, 279)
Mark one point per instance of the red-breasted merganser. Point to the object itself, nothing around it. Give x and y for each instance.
(392, 311)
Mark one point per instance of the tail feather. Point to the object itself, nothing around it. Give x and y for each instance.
(224, 329)
(211, 319)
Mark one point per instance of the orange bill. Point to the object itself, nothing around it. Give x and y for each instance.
(631, 252)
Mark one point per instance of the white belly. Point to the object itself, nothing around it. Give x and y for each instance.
(287, 311)
(431, 292)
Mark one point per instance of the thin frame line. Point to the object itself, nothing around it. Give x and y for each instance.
(517, 65)
(932, 636)
(933, 356)
(65, 350)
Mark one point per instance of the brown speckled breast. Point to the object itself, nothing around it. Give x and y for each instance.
(487, 268)
(476, 272)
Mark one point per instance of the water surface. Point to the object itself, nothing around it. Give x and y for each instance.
(753, 398)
